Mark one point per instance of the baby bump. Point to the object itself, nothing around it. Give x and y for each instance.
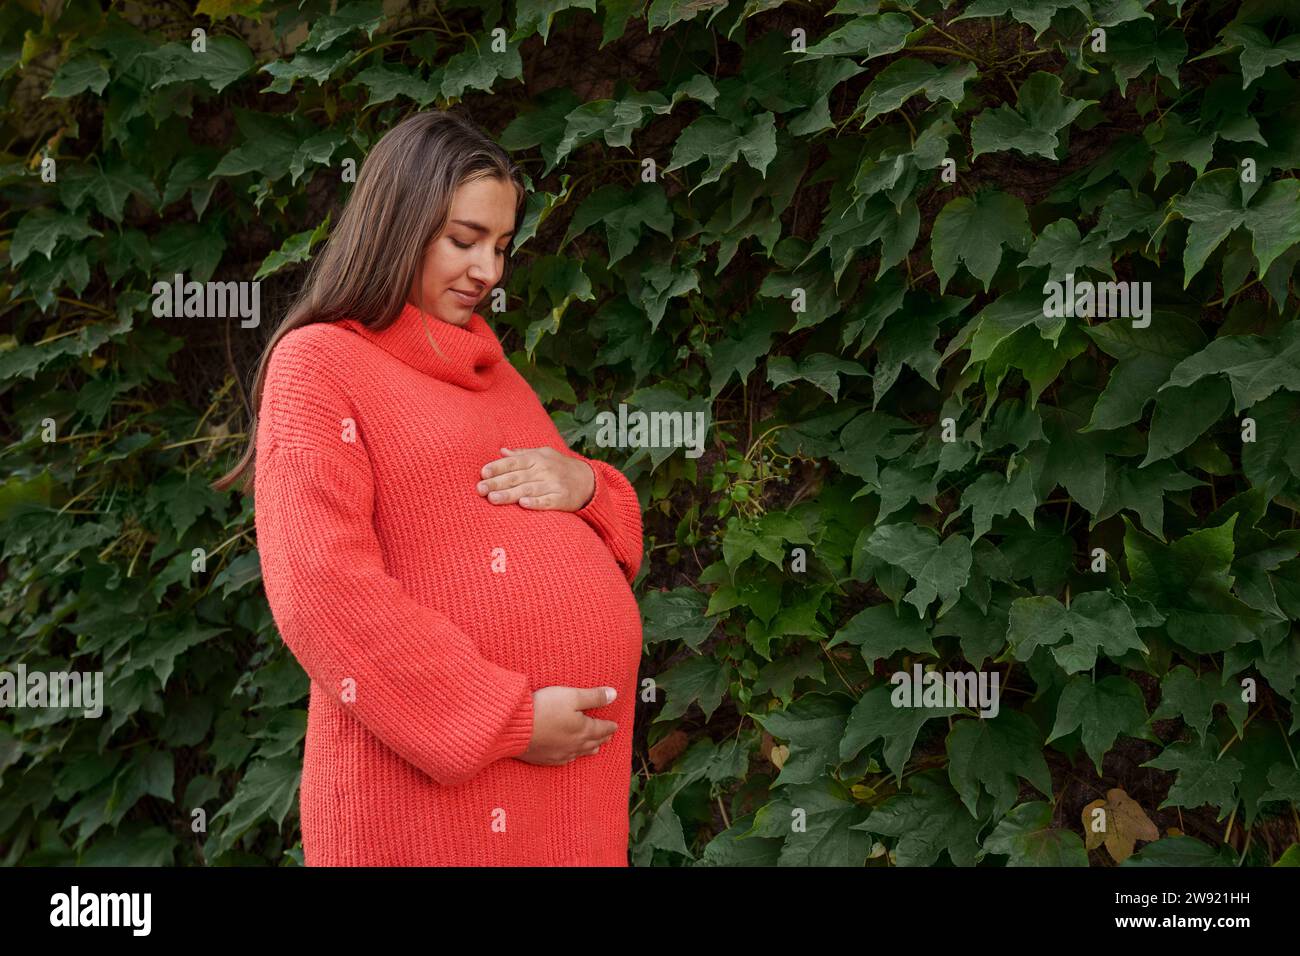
(566, 612)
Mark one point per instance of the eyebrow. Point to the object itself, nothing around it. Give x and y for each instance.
(478, 226)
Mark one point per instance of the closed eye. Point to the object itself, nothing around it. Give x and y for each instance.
(470, 245)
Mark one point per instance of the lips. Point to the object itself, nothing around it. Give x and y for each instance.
(468, 298)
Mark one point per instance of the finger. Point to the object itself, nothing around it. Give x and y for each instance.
(510, 479)
(499, 466)
(525, 452)
(586, 698)
(600, 729)
(547, 501)
(509, 496)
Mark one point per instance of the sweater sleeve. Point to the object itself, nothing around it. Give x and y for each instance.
(406, 671)
(615, 513)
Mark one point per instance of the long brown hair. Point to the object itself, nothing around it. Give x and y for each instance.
(400, 202)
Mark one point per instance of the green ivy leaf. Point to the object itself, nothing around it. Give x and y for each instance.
(1060, 248)
(1026, 836)
(1189, 696)
(1145, 359)
(304, 66)
(82, 72)
(1037, 13)
(225, 60)
(864, 37)
(40, 230)
(1214, 206)
(874, 717)
(1104, 710)
(478, 67)
(992, 755)
(1181, 851)
(296, 249)
(991, 495)
(1204, 778)
(362, 15)
(1183, 415)
(1096, 621)
(1189, 580)
(813, 725)
(1033, 127)
(901, 80)
(1258, 53)
(1138, 45)
(384, 82)
(828, 835)
(940, 567)
(724, 143)
(880, 631)
(109, 188)
(820, 368)
(626, 214)
(697, 678)
(975, 231)
(151, 774)
(267, 790)
(1174, 141)
(1141, 491)
(676, 615)
(927, 821)
(1256, 366)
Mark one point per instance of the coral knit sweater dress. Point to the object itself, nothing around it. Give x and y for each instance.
(426, 616)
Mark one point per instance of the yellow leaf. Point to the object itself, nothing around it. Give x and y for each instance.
(34, 44)
(220, 9)
(1118, 822)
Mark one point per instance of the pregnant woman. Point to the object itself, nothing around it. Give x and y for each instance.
(455, 581)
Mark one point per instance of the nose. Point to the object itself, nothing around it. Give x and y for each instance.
(483, 267)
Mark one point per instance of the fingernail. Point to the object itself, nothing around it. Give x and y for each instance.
(610, 694)
(482, 487)
(495, 496)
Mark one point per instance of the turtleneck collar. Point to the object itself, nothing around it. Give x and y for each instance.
(469, 356)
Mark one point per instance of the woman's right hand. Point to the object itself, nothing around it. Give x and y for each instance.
(561, 731)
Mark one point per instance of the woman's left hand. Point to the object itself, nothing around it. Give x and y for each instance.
(539, 479)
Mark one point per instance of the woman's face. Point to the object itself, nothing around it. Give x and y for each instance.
(469, 254)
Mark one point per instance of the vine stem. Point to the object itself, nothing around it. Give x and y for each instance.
(223, 545)
(1237, 735)
(934, 26)
(921, 48)
(195, 441)
(838, 673)
(1225, 298)
(81, 494)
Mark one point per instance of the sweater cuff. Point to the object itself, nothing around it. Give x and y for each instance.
(601, 512)
(517, 733)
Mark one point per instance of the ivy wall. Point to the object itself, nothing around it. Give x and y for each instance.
(990, 307)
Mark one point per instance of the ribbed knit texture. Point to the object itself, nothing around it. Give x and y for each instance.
(383, 569)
